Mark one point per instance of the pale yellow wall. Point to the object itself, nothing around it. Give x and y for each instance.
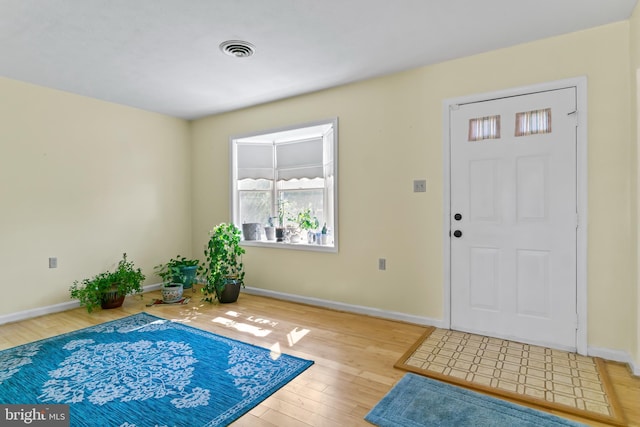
(634, 37)
(390, 132)
(85, 181)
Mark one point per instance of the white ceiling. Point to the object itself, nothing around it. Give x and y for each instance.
(163, 56)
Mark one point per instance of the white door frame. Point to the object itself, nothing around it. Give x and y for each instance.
(580, 83)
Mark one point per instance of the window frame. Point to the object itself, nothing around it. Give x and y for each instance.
(287, 131)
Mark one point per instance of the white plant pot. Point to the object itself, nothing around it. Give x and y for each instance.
(172, 293)
(270, 232)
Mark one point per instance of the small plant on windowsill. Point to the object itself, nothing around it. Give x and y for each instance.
(281, 213)
(308, 223)
(269, 229)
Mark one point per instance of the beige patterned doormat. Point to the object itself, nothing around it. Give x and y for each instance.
(549, 378)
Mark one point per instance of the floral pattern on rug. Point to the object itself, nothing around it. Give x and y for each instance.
(145, 371)
(133, 324)
(250, 370)
(125, 371)
(13, 360)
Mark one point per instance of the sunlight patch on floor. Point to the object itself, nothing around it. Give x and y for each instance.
(275, 351)
(242, 327)
(296, 335)
(260, 327)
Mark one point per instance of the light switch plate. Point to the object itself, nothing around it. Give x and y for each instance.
(419, 185)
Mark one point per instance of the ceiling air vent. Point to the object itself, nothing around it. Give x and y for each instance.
(238, 48)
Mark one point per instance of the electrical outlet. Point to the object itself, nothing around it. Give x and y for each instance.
(53, 262)
(419, 185)
(382, 264)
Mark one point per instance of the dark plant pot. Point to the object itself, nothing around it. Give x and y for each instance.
(189, 273)
(279, 234)
(112, 300)
(230, 292)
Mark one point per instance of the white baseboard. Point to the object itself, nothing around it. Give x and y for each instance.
(351, 308)
(616, 356)
(36, 312)
(56, 308)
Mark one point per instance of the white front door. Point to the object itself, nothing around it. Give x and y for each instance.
(513, 218)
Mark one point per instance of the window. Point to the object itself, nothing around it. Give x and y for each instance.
(533, 122)
(284, 186)
(483, 128)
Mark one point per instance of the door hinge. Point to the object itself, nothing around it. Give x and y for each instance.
(577, 220)
(575, 114)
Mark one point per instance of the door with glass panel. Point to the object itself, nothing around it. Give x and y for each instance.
(513, 218)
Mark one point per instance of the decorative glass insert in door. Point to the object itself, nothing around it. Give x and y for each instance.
(482, 128)
(533, 122)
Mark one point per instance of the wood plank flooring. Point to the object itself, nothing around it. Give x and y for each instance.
(353, 354)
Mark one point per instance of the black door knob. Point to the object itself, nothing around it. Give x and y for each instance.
(457, 233)
(457, 217)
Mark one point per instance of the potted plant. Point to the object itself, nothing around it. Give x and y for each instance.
(179, 270)
(108, 289)
(224, 270)
(280, 229)
(323, 234)
(177, 274)
(308, 223)
(270, 230)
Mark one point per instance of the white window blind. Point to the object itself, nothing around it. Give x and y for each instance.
(300, 159)
(255, 160)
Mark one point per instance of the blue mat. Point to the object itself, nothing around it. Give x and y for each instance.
(417, 401)
(144, 371)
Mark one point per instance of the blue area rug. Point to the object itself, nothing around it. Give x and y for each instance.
(417, 401)
(145, 371)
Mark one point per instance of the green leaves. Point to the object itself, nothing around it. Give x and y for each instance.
(126, 278)
(173, 271)
(306, 221)
(223, 259)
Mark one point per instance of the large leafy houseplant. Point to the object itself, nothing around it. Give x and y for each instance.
(223, 266)
(98, 290)
(178, 270)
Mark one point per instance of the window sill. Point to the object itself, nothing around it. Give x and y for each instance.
(293, 246)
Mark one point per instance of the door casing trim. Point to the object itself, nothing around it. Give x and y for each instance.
(580, 83)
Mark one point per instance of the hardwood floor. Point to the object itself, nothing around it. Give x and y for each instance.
(353, 354)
